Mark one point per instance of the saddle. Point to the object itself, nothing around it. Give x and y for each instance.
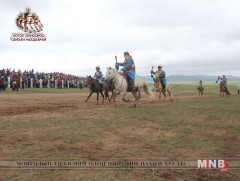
(100, 85)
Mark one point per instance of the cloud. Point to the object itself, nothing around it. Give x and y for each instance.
(186, 37)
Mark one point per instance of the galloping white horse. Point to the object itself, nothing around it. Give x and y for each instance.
(121, 86)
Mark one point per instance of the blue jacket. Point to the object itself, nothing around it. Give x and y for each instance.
(162, 76)
(127, 68)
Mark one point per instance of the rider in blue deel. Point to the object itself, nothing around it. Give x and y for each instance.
(98, 75)
(128, 70)
(159, 74)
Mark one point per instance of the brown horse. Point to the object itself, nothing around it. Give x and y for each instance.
(94, 86)
(223, 90)
(200, 90)
(158, 88)
(3, 85)
(109, 86)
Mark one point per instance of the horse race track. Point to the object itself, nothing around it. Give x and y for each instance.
(55, 123)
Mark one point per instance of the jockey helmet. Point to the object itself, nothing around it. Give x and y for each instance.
(126, 53)
(98, 68)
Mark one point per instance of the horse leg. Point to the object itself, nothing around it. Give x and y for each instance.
(124, 97)
(106, 94)
(164, 93)
(134, 93)
(114, 94)
(137, 96)
(97, 97)
(89, 96)
(109, 99)
(170, 94)
(102, 97)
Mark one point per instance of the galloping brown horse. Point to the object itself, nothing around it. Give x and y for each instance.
(109, 86)
(158, 88)
(200, 90)
(94, 86)
(223, 90)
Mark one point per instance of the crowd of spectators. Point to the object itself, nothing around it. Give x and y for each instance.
(23, 78)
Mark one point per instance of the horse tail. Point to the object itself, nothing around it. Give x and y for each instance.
(148, 92)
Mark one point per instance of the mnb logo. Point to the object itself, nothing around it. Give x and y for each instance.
(221, 164)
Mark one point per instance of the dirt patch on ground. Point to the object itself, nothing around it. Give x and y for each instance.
(100, 140)
(24, 104)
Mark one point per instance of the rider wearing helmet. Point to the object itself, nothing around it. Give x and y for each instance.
(98, 75)
(128, 70)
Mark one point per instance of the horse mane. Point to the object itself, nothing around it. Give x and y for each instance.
(120, 73)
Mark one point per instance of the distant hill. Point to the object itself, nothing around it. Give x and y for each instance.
(190, 78)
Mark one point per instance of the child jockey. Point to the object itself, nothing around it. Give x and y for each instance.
(98, 75)
(159, 74)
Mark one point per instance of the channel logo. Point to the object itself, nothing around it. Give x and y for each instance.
(213, 164)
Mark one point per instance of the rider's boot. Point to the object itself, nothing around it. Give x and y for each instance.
(163, 87)
(130, 85)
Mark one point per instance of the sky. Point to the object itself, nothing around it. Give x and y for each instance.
(184, 36)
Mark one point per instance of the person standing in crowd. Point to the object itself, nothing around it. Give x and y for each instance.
(23, 82)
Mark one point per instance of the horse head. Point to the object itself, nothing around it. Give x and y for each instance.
(87, 81)
(110, 73)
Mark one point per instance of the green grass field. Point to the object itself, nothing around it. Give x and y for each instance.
(190, 128)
